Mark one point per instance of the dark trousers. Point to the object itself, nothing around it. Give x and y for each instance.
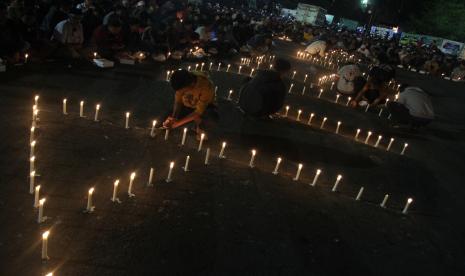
(400, 114)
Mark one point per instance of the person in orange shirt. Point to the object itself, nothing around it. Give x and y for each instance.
(193, 100)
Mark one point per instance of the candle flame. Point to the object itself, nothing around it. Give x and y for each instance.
(91, 190)
(116, 182)
(339, 177)
(410, 200)
(45, 234)
(171, 165)
(133, 175)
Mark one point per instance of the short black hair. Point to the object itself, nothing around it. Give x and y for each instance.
(181, 79)
(282, 65)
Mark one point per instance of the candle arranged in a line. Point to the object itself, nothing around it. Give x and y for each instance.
(323, 123)
(207, 156)
(32, 134)
(321, 92)
(338, 179)
(40, 214)
(230, 95)
(150, 182)
(36, 196)
(407, 205)
(45, 245)
(239, 70)
(357, 134)
(359, 195)
(223, 147)
(97, 109)
(287, 111)
(310, 118)
(126, 124)
(90, 208)
(131, 182)
(276, 168)
(338, 126)
(378, 141)
(385, 199)
(290, 88)
(403, 150)
(297, 174)
(390, 144)
(315, 178)
(298, 115)
(152, 131)
(114, 197)
(32, 164)
(184, 134)
(65, 112)
(167, 134)
(32, 150)
(32, 176)
(170, 173)
(368, 137)
(186, 164)
(202, 137)
(252, 158)
(81, 109)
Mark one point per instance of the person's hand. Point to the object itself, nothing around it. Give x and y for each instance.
(168, 123)
(353, 104)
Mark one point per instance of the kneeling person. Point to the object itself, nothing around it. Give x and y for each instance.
(194, 96)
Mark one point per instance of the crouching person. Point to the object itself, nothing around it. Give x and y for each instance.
(413, 108)
(193, 101)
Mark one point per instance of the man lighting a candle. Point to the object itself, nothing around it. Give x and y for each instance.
(193, 101)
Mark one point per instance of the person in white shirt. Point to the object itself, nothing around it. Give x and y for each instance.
(69, 34)
(346, 77)
(317, 48)
(413, 107)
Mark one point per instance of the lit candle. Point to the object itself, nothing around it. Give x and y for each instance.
(305, 79)
(126, 125)
(189, 68)
(338, 179)
(337, 98)
(357, 134)
(36, 196)
(201, 66)
(210, 66)
(293, 74)
(184, 134)
(97, 108)
(368, 137)
(387, 101)
(227, 69)
(186, 164)
(170, 172)
(90, 208)
(40, 217)
(299, 170)
(150, 183)
(287, 111)
(380, 112)
(407, 205)
(359, 195)
(252, 159)
(390, 144)
(323, 123)
(378, 141)
(32, 161)
(168, 75)
(31, 135)
(35, 114)
(348, 101)
(115, 191)
(219, 66)
(276, 168)
(33, 146)
(298, 115)
(403, 150)
(239, 70)
(26, 57)
(207, 156)
(385, 199)
(310, 119)
(152, 131)
(36, 100)
(251, 72)
(338, 126)
(315, 178)
(290, 88)
(202, 136)
(196, 66)
(32, 176)
(167, 134)
(81, 109)
(229, 95)
(332, 85)
(271, 66)
(368, 107)
(223, 146)
(321, 92)
(45, 245)
(303, 90)
(64, 107)
(131, 182)
(95, 54)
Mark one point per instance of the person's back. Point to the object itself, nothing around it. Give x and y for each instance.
(417, 102)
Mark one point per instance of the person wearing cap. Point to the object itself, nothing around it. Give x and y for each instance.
(264, 94)
(193, 100)
(69, 35)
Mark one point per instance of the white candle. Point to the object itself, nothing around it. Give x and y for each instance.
(64, 107)
(97, 108)
(150, 183)
(32, 164)
(271, 66)
(115, 191)
(252, 159)
(210, 66)
(315, 178)
(131, 182)
(95, 54)
(298, 115)
(223, 146)
(31, 135)
(305, 79)
(390, 144)
(167, 134)
(299, 170)
(32, 176)
(403, 150)
(81, 109)
(338, 126)
(332, 86)
(321, 92)
(338, 179)
(368, 137)
(407, 205)
(276, 168)
(168, 75)
(290, 88)
(36, 100)
(293, 74)
(184, 134)
(35, 114)
(126, 125)
(170, 172)
(186, 164)
(33, 146)
(380, 112)
(287, 111)
(323, 123)
(251, 72)
(227, 69)
(26, 57)
(40, 217)
(201, 66)
(36, 196)
(196, 66)
(202, 136)
(189, 68)
(239, 71)
(368, 107)
(219, 66)
(89, 207)
(385, 199)
(303, 90)
(229, 95)
(152, 131)
(207, 156)
(387, 101)
(378, 141)
(45, 245)
(310, 119)
(357, 134)
(348, 101)
(359, 195)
